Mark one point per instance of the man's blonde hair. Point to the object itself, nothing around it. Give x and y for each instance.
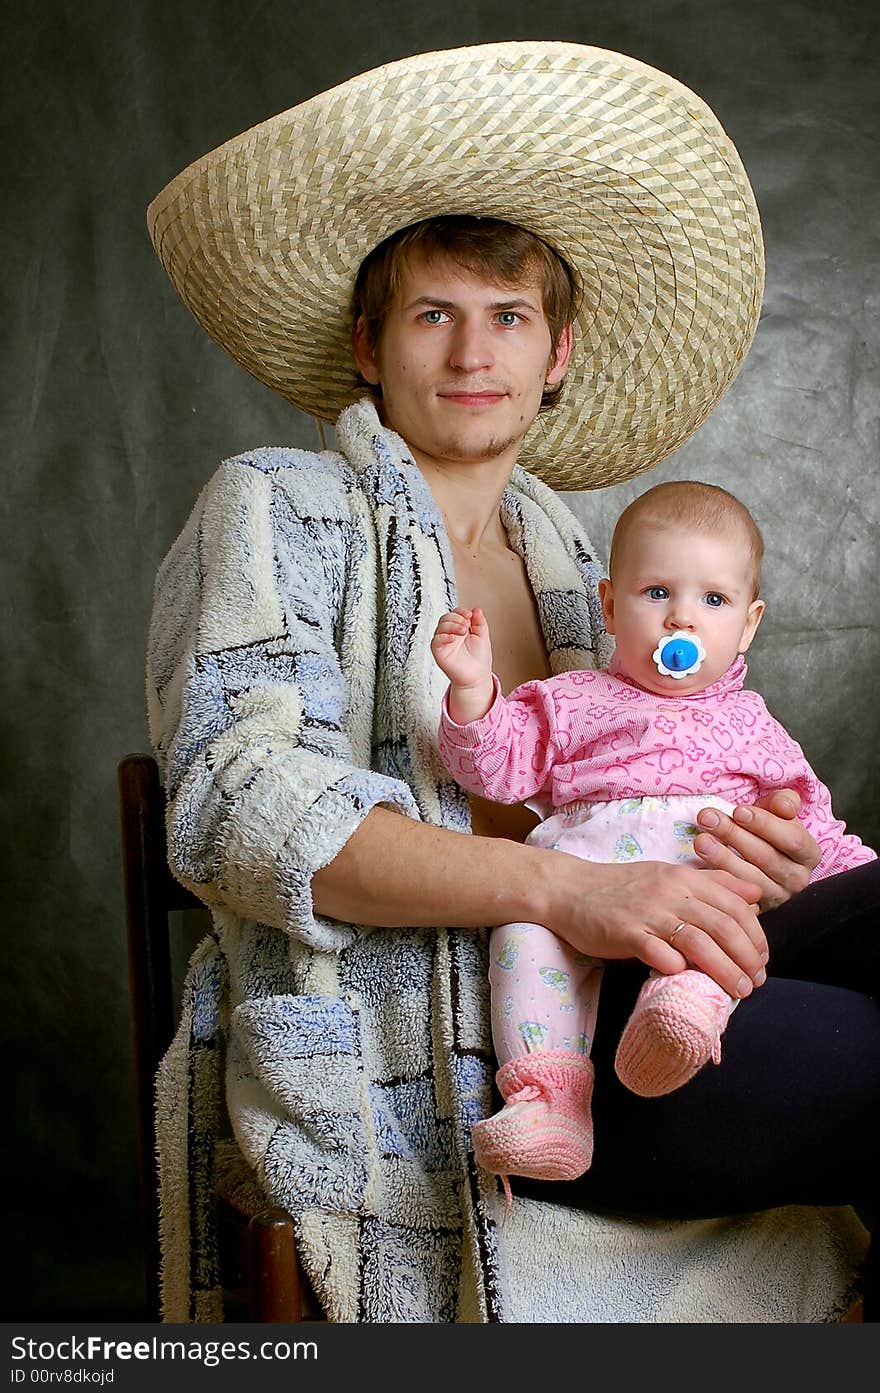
(703, 508)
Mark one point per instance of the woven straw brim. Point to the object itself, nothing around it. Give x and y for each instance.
(617, 166)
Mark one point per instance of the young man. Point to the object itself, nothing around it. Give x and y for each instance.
(293, 694)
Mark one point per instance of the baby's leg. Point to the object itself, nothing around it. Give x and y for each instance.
(678, 1021)
(544, 1000)
(544, 994)
(674, 1030)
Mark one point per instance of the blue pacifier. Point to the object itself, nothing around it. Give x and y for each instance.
(678, 654)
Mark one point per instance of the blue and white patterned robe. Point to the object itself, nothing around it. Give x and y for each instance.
(291, 688)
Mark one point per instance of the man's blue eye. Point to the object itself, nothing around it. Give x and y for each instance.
(658, 592)
(715, 600)
(433, 316)
(507, 318)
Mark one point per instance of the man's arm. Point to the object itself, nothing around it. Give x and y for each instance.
(395, 872)
(248, 695)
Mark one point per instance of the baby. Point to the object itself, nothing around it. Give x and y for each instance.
(619, 765)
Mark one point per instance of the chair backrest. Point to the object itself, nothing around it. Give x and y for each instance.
(151, 894)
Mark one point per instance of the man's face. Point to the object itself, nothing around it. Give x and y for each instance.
(670, 579)
(462, 362)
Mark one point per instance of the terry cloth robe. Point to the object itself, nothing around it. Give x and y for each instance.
(291, 688)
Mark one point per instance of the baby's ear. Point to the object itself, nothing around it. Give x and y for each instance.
(606, 596)
(753, 619)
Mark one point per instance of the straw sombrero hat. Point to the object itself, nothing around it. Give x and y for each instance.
(621, 169)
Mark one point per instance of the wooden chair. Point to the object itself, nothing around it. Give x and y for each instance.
(258, 1261)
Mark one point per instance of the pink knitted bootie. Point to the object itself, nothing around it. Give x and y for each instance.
(544, 1130)
(675, 1028)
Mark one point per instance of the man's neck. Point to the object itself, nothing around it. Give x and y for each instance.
(468, 494)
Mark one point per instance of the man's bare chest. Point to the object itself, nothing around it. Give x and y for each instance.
(499, 585)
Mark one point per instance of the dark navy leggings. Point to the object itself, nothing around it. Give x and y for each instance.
(792, 1113)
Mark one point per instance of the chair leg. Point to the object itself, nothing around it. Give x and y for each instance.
(273, 1275)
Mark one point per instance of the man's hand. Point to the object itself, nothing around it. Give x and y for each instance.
(779, 852)
(605, 911)
(623, 911)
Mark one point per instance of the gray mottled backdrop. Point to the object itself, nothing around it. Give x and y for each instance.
(116, 409)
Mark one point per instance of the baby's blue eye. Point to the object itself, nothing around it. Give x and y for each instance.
(715, 600)
(658, 592)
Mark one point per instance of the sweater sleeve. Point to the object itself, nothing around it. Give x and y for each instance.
(785, 766)
(841, 850)
(249, 698)
(507, 755)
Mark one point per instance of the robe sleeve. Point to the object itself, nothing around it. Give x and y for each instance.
(249, 697)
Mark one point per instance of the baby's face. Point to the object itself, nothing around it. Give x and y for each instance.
(669, 579)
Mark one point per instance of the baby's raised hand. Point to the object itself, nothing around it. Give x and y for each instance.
(462, 648)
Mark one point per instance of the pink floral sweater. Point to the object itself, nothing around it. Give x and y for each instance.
(599, 736)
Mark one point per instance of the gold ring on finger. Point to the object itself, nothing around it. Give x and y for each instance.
(678, 928)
